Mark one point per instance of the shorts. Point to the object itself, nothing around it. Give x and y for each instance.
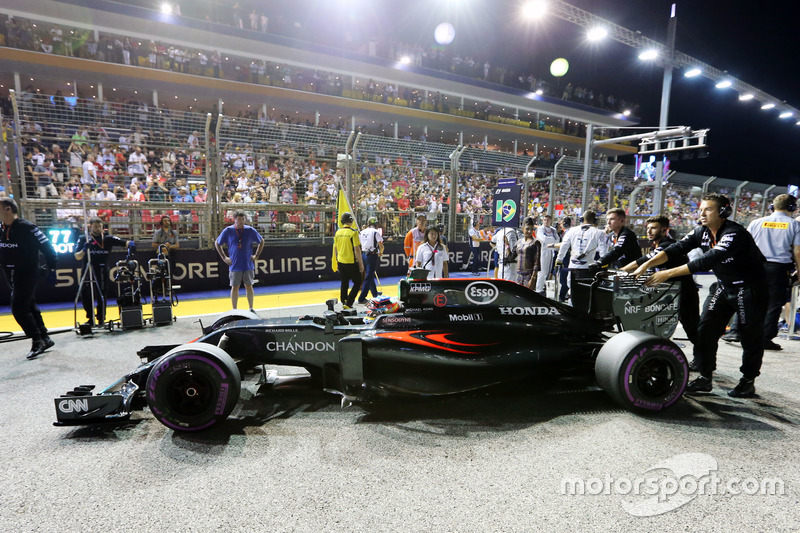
(241, 277)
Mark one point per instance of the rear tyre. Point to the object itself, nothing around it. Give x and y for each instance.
(642, 372)
(193, 387)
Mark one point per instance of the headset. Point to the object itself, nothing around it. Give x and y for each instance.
(790, 207)
(725, 210)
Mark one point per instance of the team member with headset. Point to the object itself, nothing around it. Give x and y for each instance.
(778, 238)
(689, 311)
(20, 244)
(731, 253)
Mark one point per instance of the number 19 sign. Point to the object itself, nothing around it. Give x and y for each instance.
(505, 204)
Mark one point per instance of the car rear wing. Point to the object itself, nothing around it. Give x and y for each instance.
(627, 301)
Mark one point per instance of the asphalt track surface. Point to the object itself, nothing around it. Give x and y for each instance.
(295, 460)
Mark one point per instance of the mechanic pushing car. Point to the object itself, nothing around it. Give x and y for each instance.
(731, 253)
(20, 244)
(99, 244)
(624, 247)
(689, 313)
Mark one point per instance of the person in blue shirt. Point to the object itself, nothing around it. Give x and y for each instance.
(239, 239)
(184, 215)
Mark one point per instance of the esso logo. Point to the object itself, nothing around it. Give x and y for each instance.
(481, 292)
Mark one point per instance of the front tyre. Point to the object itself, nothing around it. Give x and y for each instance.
(642, 372)
(193, 387)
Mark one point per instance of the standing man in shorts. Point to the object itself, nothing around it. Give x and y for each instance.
(240, 259)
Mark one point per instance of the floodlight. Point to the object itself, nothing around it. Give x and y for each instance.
(405, 60)
(724, 84)
(596, 34)
(691, 73)
(649, 54)
(627, 112)
(785, 114)
(166, 8)
(745, 97)
(534, 9)
(767, 106)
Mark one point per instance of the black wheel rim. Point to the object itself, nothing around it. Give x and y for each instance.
(190, 393)
(655, 377)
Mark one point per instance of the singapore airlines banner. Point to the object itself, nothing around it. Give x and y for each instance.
(203, 270)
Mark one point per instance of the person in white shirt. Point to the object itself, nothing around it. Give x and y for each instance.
(505, 240)
(105, 194)
(136, 162)
(546, 234)
(89, 171)
(583, 241)
(432, 255)
(371, 251)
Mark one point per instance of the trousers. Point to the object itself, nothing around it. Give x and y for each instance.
(370, 266)
(748, 303)
(24, 308)
(349, 273)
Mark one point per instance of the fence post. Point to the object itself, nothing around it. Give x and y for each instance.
(612, 182)
(736, 199)
(14, 147)
(764, 200)
(214, 190)
(551, 204)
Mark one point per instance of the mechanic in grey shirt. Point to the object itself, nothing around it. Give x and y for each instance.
(778, 238)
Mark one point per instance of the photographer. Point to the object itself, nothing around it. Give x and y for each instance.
(99, 245)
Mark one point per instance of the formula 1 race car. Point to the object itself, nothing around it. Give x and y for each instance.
(448, 336)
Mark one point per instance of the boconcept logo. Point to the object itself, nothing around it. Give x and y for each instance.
(481, 292)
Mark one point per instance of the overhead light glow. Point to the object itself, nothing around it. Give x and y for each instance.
(785, 114)
(745, 97)
(691, 73)
(405, 60)
(649, 55)
(444, 33)
(166, 8)
(724, 84)
(534, 9)
(597, 34)
(559, 67)
(767, 106)
(627, 112)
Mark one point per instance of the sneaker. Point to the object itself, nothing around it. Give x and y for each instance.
(346, 307)
(701, 384)
(783, 326)
(37, 349)
(694, 366)
(772, 345)
(731, 337)
(745, 389)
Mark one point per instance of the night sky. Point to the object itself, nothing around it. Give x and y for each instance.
(755, 41)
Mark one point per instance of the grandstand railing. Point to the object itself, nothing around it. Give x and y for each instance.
(287, 176)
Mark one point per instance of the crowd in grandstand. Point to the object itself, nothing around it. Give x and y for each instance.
(134, 152)
(51, 38)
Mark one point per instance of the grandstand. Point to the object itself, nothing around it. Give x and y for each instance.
(285, 171)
